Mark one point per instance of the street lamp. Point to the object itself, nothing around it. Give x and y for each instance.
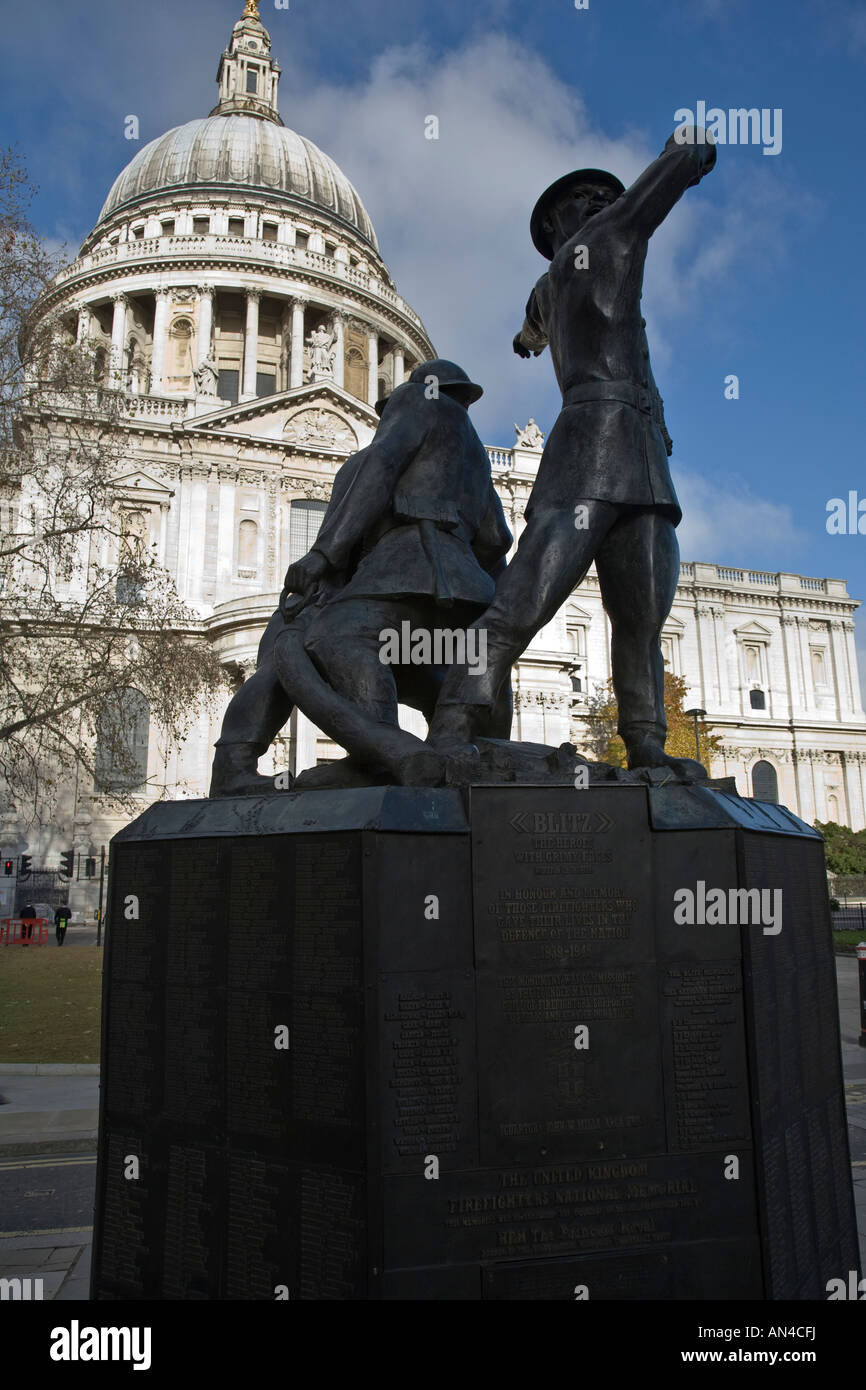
(696, 713)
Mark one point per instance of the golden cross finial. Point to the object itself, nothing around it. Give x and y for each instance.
(251, 11)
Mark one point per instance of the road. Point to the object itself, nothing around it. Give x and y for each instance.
(47, 1193)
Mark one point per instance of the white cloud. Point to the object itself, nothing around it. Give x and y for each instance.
(453, 214)
(730, 525)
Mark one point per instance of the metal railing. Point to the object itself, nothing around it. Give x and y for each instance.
(850, 917)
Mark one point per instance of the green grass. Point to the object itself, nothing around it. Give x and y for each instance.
(844, 942)
(50, 1002)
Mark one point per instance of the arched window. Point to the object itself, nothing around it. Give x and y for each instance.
(134, 550)
(356, 373)
(765, 783)
(248, 544)
(819, 667)
(181, 344)
(121, 741)
(833, 808)
(305, 518)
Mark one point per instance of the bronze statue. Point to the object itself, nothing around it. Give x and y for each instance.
(414, 534)
(414, 537)
(603, 490)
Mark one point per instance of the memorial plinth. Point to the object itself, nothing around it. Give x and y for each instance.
(405, 1044)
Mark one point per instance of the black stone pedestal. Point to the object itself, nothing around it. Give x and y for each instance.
(394, 1043)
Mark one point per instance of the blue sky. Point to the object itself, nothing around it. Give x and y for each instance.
(759, 271)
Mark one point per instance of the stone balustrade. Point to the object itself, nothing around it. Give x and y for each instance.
(257, 254)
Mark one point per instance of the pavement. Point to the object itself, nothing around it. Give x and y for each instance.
(50, 1120)
(48, 1106)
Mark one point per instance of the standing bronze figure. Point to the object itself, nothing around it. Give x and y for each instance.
(603, 490)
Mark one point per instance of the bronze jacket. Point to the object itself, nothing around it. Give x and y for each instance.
(416, 511)
(610, 440)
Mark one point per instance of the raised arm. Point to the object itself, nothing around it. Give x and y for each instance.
(647, 202)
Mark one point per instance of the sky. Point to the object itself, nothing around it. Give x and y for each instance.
(757, 273)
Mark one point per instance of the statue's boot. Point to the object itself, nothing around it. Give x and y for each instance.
(454, 728)
(234, 772)
(648, 750)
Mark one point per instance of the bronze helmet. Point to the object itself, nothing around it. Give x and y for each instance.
(554, 194)
(447, 374)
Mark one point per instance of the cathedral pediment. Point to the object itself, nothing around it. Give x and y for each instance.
(319, 417)
(143, 487)
(754, 630)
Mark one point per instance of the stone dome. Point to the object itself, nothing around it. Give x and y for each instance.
(240, 152)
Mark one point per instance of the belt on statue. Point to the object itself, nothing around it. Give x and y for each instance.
(624, 391)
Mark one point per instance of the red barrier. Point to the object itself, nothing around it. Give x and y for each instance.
(24, 931)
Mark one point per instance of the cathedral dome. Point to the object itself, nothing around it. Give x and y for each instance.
(240, 152)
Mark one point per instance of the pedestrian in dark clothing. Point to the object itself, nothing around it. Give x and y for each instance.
(61, 922)
(28, 917)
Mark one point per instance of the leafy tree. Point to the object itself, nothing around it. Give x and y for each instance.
(605, 744)
(86, 613)
(845, 849)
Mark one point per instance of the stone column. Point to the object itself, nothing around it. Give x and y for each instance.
(163, 530)
(726, 693)
(373, 368)
(118, 338)
(339, 326)
(197, 503)
(707, 666)
(183, 521)
(805, 799)
(809, 702)
(205, 322)
(399, 366)
(251, 345)
(792, 665)
(160, 334)
(296, 377)
(841, 681)
(853, 673)
(80, 893)
(225, 574)
(285, 344)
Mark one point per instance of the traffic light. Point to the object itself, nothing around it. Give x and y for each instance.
(67, 863)
(89, 868)
(26, 866)
(8, 866)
